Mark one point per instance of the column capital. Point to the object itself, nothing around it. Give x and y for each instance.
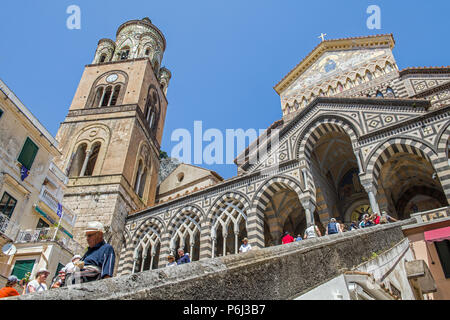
(369, 187)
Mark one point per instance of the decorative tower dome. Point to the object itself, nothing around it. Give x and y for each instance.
(134, 39)
(138, 39)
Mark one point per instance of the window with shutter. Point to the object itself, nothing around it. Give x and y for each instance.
(21, 268)
(7, 205)
(28, 153)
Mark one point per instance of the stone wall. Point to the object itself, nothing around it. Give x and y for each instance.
(280, 272)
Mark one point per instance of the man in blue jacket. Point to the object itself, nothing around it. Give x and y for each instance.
(184, 258)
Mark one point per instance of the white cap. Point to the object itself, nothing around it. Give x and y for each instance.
(77, 256)
(42, 270)
(95, 226)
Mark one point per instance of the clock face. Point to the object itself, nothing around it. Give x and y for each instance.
(112, 78)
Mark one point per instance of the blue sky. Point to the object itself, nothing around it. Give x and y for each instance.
(225, 56)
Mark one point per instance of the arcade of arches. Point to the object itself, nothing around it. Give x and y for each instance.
(407, 182)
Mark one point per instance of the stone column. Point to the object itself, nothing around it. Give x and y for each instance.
(371, 192)
(192, 250)
(213, 247)
(144, 256)
(152, 259)
(135, 259)
(85, 163)
(255, 228)
(236, 242)
(310, 207)
(166, 248)
(225, 236)
(358, 159)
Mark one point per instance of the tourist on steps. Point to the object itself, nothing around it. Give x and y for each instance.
(171, 260)
(245, 247)
(312, 231)
(9, 290)
(98, 261)
(183, 258)
(38, 284)
(287, 238)
(333, 227)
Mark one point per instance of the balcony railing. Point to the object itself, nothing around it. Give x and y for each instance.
(47, 197)
(50, 235)
(435, 214)
(58, 173)
(7, 227)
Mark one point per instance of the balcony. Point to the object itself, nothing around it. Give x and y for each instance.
(50, 235)
(47, 197)
(8, 228)
(58, 173)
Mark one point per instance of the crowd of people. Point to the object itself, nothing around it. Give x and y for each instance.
(99, 260)
(97, 263)
(335, 227)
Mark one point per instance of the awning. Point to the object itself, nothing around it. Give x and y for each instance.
(42, 213)
(437, 235)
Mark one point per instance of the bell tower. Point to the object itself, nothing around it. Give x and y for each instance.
(110, 138)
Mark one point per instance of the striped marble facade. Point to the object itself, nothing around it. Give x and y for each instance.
(408, 128)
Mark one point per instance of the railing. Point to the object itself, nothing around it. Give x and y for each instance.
(49, 235)
(7, 227)
(47, 197)
(428, 216)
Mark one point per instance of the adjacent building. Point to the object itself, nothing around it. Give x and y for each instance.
(31, 190)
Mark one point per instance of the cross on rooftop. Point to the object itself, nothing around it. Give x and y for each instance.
(322, 35)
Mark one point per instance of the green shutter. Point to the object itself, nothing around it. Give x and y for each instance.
(28, 153)
(22, 267)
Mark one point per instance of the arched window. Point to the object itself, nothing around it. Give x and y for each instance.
(340, 87)
(103, 58)
(107, 97)
(77, 161)
(142, 184)
(115, 95)
(359, 79)
(153, 109)
(379, 94)
(147, 52)
(369, 75)
(138, 177)
(92, 159)
(390, 92)
(389, 68)
(330, 91)
(124, 53)
(98, 97)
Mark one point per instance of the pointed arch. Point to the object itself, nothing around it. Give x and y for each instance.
(228, 212)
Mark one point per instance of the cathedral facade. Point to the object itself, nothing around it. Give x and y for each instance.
(358, 135)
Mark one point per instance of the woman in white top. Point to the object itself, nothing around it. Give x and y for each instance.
(38, 285)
